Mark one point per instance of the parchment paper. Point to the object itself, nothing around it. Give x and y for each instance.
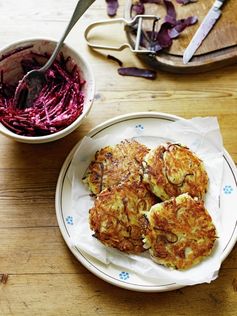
(201, 135)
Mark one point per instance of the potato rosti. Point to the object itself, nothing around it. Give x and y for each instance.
(114, 218)
(179, 232)
(172, 169)
(115, 164)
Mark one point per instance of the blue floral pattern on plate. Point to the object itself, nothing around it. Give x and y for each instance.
(228, 189)
(139, 128)
(123, 275)
(69, 220)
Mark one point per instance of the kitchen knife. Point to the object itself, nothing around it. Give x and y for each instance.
(209, 21)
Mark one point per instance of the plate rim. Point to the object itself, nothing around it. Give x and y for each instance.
(58, 204)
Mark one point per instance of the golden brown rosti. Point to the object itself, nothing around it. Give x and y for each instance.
(172, 169)
(179, 232)
(114, 218)
(115, 164)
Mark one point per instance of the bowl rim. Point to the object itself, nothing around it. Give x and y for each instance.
(65, 131)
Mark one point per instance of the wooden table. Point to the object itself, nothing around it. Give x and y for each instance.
(38, 274)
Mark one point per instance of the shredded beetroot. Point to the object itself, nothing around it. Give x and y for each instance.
(180, 25)
(186, 1)
(163, 38)
(59, 103)
(118, 61)
(170, 9)
(169, 29)
(138, 8)
(112, 7)
(138, 5)
(137, 72)
(151, 1)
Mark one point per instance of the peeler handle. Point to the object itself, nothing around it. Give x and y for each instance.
(136, 21)
(106, 22)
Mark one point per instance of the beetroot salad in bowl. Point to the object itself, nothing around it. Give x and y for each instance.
(61, 105)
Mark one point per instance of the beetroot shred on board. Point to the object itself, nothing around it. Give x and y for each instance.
(185, 1)
(112, 7)
(59, 103)
(169, 29)
(137, 72)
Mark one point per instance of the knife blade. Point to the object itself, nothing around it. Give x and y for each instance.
(207, 24)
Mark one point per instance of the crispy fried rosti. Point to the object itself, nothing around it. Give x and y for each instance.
(179, 232)
(114, 218)
(115, 164)
(172, 169)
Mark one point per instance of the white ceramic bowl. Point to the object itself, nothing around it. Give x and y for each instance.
(12, 73)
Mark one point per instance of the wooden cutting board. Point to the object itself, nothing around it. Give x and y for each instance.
(218, 49)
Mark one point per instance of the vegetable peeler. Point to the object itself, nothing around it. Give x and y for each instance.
(133, 25)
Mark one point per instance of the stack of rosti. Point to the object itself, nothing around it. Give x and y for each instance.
(151, 199)
(121, 196)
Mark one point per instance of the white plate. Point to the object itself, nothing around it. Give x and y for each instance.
(112, 274)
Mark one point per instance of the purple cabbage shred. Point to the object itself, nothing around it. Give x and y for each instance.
(59, 103)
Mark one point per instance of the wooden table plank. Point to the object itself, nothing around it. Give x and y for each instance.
(84, 294)
(36, 250)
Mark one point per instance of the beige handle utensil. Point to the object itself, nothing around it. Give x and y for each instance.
(134, 24)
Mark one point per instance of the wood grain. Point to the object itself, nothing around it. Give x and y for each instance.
(77, 294)
(38, 273)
